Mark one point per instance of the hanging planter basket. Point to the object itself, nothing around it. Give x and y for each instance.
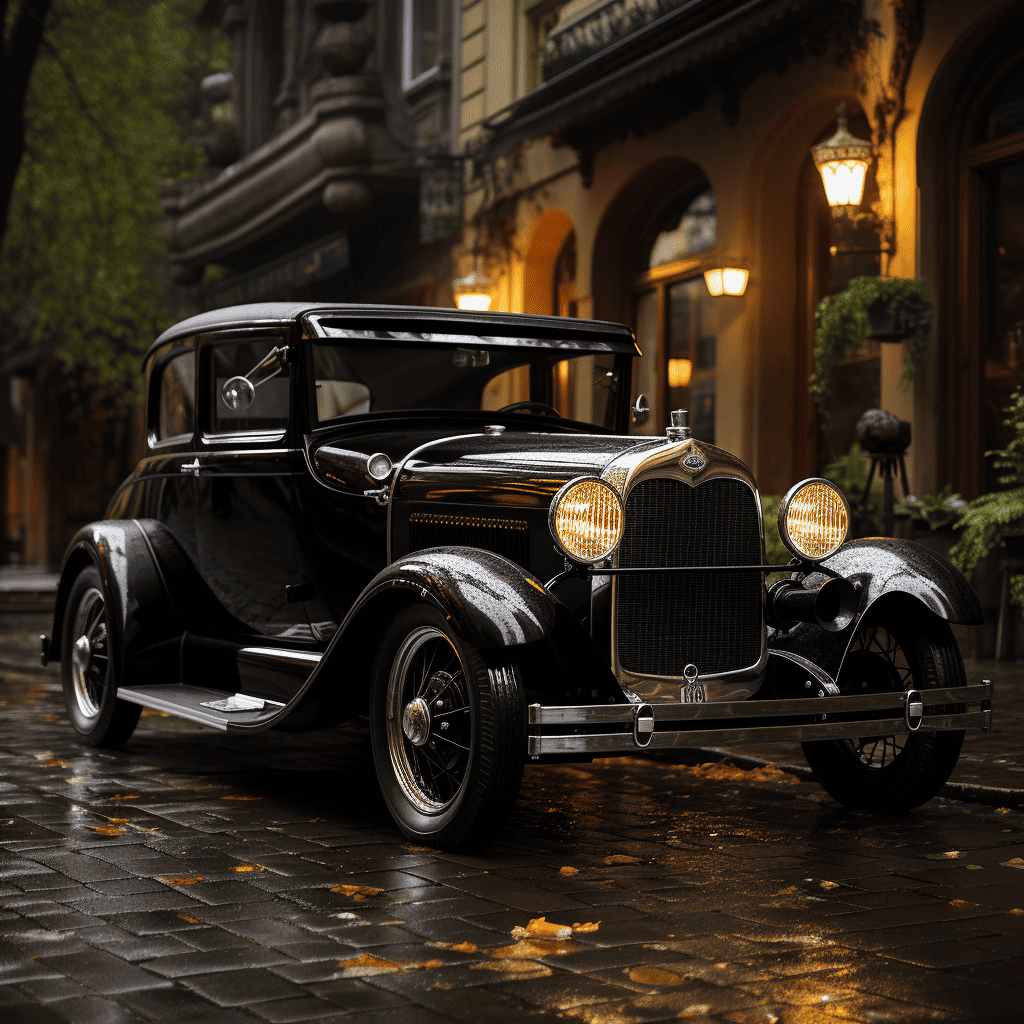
(884, 323)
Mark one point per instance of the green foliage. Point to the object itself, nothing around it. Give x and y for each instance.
(982, 521)
(842, 326)
(108, 114)
(850, 474)
(937, 510)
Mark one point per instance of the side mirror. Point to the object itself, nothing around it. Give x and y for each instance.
(238, 393)
(641, 410)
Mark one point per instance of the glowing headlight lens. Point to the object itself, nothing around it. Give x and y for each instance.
(813, 519)
(586, 520)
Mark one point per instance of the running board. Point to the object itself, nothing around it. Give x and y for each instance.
(187, 702)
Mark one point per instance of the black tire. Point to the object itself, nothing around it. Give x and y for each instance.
(448, 732)
(87, 667)
(893, 774)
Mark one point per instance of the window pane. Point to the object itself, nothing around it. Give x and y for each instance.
(177, 397)
(1004, 357)
(269, 410)
(424, 35)
(1006, 116)
(696, 232)
(692, 341)
(647, 368)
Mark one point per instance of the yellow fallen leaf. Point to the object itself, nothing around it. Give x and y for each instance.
(173, 880)
(108, 830)
(568, 871)
(357, 892)
(119, 821)
(1015, 910)
(828, 885)
(247, 867)
(1014, 862)
(586, 926)
(541, 928)
(241, 798)
(125, 796)
(189, 918)
(655, 976)
(621, 858)
(55, 764)
(368, 964)
(458, 947)
(432, 963)
(531, 949)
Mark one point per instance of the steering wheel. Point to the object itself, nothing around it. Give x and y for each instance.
(542, 407)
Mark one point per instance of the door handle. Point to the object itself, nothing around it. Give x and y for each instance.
(190, 467)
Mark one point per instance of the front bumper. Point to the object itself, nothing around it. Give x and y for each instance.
(625, 728)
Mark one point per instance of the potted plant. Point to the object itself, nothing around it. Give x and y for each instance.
(882, 308)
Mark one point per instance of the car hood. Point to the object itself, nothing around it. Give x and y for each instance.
(511, 468)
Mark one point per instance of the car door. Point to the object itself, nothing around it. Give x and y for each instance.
(244, 491)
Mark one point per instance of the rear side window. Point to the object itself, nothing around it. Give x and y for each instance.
(175, 396)
(267, 413)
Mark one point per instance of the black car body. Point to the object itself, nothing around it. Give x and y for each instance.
(353, 510)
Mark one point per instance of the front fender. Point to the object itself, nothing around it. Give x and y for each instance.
(490, 600)
(881, 567)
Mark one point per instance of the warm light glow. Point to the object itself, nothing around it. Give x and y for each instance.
(679, 371)
(479, 301)
(814, 519)
(726, 280)
(842, 162)
(844, 181)
(586, 520)
(473, 291)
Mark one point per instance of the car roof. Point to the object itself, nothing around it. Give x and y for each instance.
(277, 313)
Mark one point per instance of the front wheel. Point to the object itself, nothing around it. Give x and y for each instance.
(448, 732)
(87, 672)
(895, 773)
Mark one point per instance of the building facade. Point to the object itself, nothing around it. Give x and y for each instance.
(620, 148)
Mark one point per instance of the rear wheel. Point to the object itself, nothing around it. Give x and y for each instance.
(448, 730)
(86, 667)
(893, 652)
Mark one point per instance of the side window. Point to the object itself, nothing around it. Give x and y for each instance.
(268, 410)
(175, 413)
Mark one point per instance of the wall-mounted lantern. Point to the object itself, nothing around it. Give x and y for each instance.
(843, 162)
(726, 280)
(474, 290)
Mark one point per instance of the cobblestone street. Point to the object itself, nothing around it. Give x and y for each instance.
(204, 878)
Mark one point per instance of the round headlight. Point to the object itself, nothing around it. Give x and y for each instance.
(586, 520)
(814, 519)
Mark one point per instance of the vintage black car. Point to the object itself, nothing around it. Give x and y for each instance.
(368, 510)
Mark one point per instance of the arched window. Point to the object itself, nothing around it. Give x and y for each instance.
(675, 319)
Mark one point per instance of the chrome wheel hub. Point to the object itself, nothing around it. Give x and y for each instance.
(416, 721)
(89, 655)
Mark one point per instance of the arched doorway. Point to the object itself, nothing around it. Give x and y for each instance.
(971, 174)
(647, 272)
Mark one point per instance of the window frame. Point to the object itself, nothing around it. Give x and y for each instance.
(206, 437)
(157, 366)
(412, 82)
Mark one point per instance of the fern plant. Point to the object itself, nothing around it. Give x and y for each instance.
(983, 521)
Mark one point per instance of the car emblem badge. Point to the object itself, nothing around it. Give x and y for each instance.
(693, 692)
(693, 461)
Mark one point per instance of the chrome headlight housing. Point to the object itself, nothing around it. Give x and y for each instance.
(814, 519)
(586, 519)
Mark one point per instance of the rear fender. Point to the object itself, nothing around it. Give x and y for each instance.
(138, 604)
(899, 572)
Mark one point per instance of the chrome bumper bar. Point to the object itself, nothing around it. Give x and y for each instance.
(650, 726)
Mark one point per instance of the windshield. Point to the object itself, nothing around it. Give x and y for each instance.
(354, 379)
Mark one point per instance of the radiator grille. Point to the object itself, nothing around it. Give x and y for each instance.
(713, 620)
(508, 537)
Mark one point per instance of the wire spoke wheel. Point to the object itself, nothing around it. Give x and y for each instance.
(429, 720)
(894, 650)
(89, 671)
(875, 664)
(447, 729)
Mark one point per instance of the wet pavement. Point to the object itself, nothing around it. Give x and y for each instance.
(198, 877)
